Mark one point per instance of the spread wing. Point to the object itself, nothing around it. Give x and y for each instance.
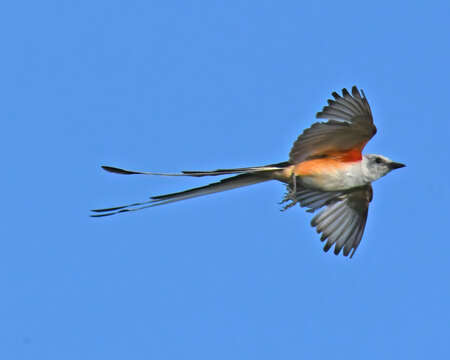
(343, 220)
(348, 129)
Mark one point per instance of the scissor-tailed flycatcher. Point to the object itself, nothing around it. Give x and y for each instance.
(325, 169)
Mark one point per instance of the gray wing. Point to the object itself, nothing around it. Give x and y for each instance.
(343, 220)
(349, 127)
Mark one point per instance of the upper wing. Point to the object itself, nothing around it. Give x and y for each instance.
(348, 129)
(343, 220)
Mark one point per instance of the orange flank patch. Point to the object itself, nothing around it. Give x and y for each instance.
(318, 167)
(349, 155)
(334, 161)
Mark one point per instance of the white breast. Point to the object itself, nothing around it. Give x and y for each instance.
(339, 179)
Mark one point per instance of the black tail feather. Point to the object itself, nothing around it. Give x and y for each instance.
(223, 185)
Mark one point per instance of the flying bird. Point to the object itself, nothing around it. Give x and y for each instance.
(326, 170)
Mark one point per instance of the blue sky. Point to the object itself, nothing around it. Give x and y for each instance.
(173, 85)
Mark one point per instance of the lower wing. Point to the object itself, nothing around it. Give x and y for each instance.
(343, 219)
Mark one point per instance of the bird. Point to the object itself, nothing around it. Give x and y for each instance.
(326, 171)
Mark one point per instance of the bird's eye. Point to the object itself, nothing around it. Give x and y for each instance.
(378, 160)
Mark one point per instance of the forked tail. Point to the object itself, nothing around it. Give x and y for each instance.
(245, 177)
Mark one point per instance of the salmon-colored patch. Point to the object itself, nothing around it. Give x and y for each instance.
(332, 161)
(318, 166)
(354, 154)
(348, 155)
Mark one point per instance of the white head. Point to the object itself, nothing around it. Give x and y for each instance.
(375, 166)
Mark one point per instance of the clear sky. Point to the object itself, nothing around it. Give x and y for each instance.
(197, 85)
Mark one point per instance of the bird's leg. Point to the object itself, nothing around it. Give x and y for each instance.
(294, 181)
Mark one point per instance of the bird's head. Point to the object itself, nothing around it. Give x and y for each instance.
(375, 166)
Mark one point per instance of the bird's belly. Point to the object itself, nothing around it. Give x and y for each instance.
(330, 176)
(330, 183)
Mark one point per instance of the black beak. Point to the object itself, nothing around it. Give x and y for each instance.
(396, 165)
